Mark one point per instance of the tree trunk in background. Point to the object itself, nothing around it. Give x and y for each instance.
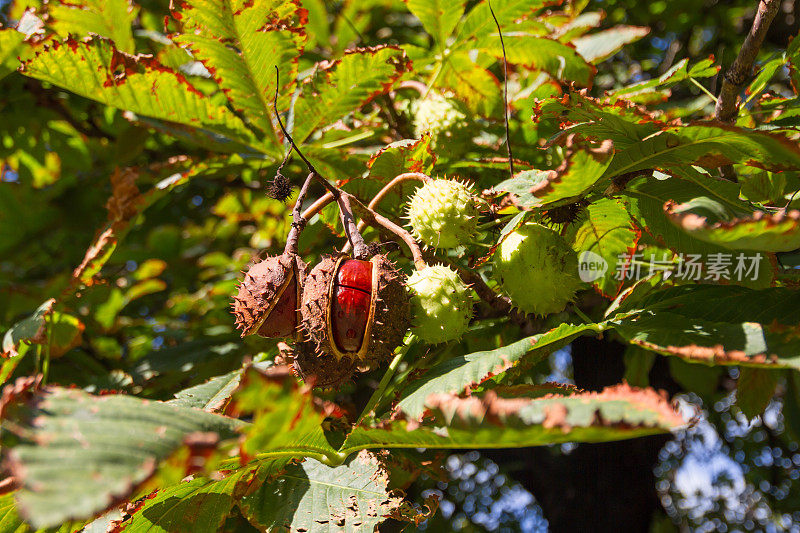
(596, 487)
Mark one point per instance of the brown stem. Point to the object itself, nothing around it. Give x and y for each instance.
(317, 206)
(377, 219)
(727, 107)
(418, 86)
(360, 249)
(407, 176)
(501, 304)
(298, 220)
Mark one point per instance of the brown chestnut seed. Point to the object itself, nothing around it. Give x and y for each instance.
(355, 309)
(266, 303)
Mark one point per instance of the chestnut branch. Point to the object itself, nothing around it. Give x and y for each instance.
(344, 200)
(406, 176)
(727, 107)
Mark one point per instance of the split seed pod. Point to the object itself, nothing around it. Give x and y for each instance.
(356, 309)
(267, 301)
(324, 371)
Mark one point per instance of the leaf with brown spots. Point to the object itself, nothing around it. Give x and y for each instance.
(466, 372)
(76, 455)
(520, 418)
(768, 232)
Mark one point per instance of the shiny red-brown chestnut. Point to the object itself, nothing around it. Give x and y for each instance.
(355, 309)
(268, 297)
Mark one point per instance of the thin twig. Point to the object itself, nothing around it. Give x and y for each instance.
(317, 206)
(406, 176)
(505, 90)
(377, 219)
(298, 221)
(727, 108)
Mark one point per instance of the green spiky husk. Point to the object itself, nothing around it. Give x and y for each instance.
(443, 214)
(537, 269)
(441, 306)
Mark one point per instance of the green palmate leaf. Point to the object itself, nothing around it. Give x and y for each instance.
(211, 396)
(708, 144)
(97, 70)
(562, 62)
(31, 328)
(438, 17)
(464, 373)
(599, 46)
(12, 45)
(724, 303)
(479, 22)
(645, 199)
(241, 43)
(519, 418)
(472, 83)
(716, 324)
(711, 342)
(678, 73)
(79, 454)
(317, 498)
(638, 363)
(604, 231)
(583, 166)
(285, 417)
(197, 506)
(754, 390)
(56, 332)
(10, 521)
(407, 155)
(778, 232)
(108, 18)
(343, 86)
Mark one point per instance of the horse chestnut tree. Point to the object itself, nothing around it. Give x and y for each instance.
(253, 260)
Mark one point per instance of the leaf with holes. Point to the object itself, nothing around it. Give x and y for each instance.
(313, 497)
(76, 455)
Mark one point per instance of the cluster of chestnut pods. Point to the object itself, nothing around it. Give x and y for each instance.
(344, 315)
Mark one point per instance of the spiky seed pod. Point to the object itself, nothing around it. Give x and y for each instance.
(325, 371)
(355, 309)
(267, 300)
(439, 116)
(441, 306)
(443, 213)
(537, 269)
